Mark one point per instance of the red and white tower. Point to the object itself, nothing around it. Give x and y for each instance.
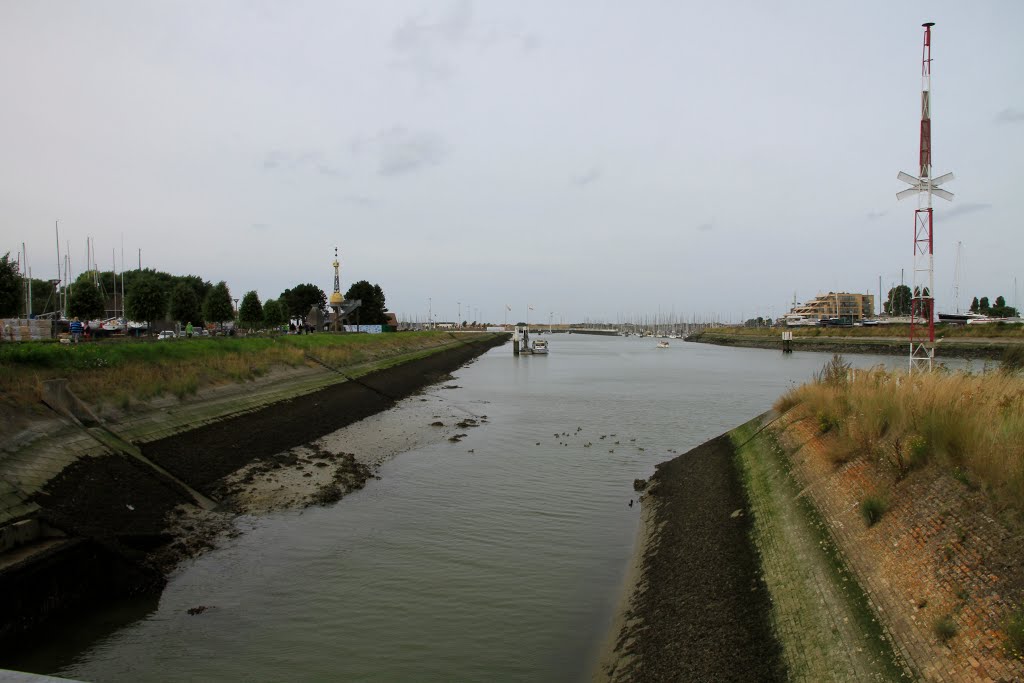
(922, 303)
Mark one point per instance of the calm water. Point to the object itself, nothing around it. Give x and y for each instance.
(502, 564)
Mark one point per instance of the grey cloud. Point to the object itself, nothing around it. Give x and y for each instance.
(1010, 115)
(418, 34)
(530, 42)
(277, 159)
(964, 209)
(259, 227)
(583, 179)
(327, 169)
(875, 215)
(274, 159)
(360, 200)
(706, 227)
(402, 151)
(424, 45)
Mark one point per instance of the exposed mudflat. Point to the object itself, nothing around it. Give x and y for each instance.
(700, 610)
(322, 471)
(255, 462)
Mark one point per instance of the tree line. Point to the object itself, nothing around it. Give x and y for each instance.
(899, 297)
(151, 295)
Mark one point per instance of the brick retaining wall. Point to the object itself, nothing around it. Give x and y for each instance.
(939, 550)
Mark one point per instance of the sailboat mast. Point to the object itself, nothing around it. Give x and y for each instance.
(56, 286)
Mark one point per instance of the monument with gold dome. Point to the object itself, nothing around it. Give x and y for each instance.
(337, 301)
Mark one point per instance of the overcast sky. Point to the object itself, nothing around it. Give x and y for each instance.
(594, 159)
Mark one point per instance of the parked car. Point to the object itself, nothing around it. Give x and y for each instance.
(166, 334)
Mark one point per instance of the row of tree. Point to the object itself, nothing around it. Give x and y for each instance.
(999, 310)
(899, 298)
(151, 295)
(295, 303)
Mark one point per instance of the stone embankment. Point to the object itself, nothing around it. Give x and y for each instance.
(756, 564)
(953, 347)
(137, 494)
(942, 567)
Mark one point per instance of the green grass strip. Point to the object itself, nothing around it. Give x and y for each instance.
(821, 614)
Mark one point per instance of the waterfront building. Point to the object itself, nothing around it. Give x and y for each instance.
(842, 305)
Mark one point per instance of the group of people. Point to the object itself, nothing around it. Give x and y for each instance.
(80, 330)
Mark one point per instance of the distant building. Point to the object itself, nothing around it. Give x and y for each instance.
(843, 305)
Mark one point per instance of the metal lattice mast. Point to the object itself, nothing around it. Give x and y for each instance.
(337, 275)
(922, 303)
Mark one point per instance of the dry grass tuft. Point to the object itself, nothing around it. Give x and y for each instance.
(969, 424)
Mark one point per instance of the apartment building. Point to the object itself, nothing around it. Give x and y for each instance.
(843, 305)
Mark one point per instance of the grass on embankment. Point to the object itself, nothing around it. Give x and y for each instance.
(820, 613)
(970, 425)
(123, 371)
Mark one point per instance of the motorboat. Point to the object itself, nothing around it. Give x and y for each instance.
(540, 346)
(662, 344)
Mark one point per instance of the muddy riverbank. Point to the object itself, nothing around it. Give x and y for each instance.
(147, 518)
(698, 609)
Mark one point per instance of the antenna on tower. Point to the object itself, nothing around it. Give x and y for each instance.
(922, 303)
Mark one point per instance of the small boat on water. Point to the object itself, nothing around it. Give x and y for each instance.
(540, 346)
(662, 344)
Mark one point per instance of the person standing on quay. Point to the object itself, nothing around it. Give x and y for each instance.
(76, 331)
(188, 330)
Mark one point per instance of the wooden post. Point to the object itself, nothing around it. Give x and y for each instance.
(787, 342)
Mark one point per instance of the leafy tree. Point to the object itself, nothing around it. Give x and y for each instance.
(10, 286)
(898, 301)
(1001, 310)
(196, 284)
(147, 301)
(109, 283)
(273, 314)
(185, 307)
(250, 313)
(983, 306)
(298, 300)
(371, 312)
(217, 305)
(86, 301)
(975, 305)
